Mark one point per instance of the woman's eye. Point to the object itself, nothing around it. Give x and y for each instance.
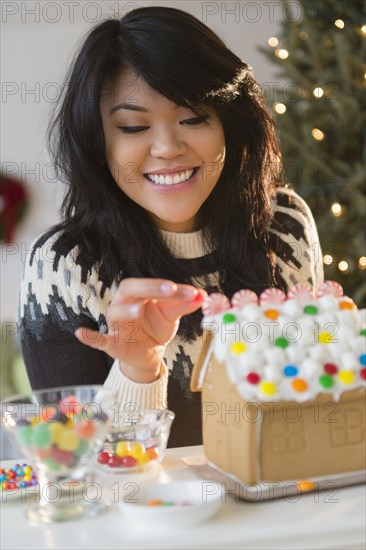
(132, 129)
(196, 120)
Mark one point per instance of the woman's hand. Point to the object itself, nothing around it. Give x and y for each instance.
(142, 319)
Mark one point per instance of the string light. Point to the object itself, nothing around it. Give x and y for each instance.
(339, 23)
(273, 41)
(282, 54)
(318, 92)
(280, 108)
(336, 209)
(362, 262)
(343, 265)
(327, 259)
(363, 29)
(317, 134)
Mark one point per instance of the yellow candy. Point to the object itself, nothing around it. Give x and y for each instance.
(123, 448)
(346, 376)
(56, 429)
(238, 347)
(143, 460)
(68, 440)
(137, 450)
(268, 388)
(325, 338)
(27, 478)
(27, 470)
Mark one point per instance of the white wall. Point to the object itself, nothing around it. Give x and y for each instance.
(37, 42)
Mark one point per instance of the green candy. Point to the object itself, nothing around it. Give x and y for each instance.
(228, 318)
(82, 448)
(281, 342)
(363, 332)
(52, 465)
(326, 381)
(25, 434)
(311, 310)
(42, 436)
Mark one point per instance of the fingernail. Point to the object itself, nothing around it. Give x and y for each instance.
(134, 309)
(166, 288)
(190, 292)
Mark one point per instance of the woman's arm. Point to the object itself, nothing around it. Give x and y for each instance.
(294, 235)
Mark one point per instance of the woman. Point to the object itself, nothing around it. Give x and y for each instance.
(174, 191)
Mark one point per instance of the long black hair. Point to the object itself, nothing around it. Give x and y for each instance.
(188, 63)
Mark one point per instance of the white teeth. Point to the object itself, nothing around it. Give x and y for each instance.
(169, 179)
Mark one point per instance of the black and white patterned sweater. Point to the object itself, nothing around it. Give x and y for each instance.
(58, 295)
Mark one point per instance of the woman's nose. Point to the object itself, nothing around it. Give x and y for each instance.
(167, 144)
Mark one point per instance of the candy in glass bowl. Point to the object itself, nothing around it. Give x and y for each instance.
(137, 441)
(57, 431)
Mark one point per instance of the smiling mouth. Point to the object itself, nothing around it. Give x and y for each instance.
(172, 179)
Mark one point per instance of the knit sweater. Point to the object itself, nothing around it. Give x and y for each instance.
(58, 295)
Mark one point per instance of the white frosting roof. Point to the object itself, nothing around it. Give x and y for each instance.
(291, 350)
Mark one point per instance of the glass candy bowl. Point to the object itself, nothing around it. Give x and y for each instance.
(136, 442)
(58, 430)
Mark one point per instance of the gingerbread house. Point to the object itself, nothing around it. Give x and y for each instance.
(283, 384)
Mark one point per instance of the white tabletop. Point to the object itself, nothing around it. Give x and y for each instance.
(330, 519)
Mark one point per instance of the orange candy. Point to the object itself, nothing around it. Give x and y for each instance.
(347, 305)
(299, 385)
(152, 453)
(85, 429)
(271, 314)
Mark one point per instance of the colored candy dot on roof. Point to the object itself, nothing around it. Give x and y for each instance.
(347, 305)
(330, 368)
(268, 388)
(363, 332)
(311, 310)
(228, 318)
(290, 370)
(271, 314)
(363, 374)
(282, 342)
(299, 385)
(346, 376)
(253, 378)
(326, 381)
(238, 347)
(363, 359)
(325, 337)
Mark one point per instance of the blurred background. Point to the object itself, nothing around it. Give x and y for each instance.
(308, 56)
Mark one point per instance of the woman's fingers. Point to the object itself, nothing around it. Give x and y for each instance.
(92, 338)
(134, 290)
(173, 310)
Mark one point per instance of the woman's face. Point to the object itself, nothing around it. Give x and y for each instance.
(164, 157)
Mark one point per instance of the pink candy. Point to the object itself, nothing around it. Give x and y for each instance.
(272, 296)
(215, 303)
(330, 287)
(300, 292)
(243, 298)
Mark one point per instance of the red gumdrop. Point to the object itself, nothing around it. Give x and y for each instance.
(330, 368)
(363, 374)
(114, 461)
(253, 378)
(103, 457)
(62, 457)
(128, 461)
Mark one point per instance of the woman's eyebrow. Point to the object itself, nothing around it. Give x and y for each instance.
(133, 107)
(129, 107)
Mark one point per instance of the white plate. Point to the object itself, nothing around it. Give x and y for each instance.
(190, 502)
(21, 493)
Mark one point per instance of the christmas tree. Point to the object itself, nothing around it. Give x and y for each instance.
(319, 108)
